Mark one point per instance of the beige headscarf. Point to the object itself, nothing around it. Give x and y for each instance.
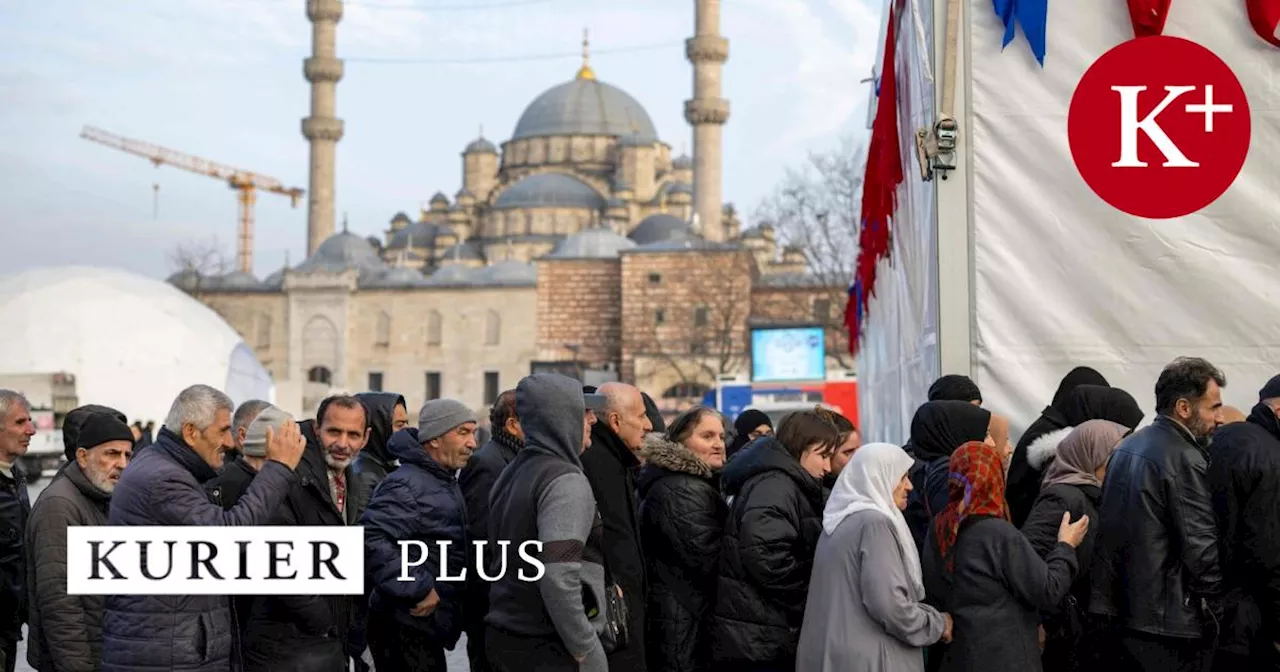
(1086, 448)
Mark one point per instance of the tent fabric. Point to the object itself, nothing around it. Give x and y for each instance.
(899, 354)
(1060, 278)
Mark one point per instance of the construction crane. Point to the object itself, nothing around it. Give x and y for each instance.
(246, 183)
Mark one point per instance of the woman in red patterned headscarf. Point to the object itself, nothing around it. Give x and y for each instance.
(981, 569)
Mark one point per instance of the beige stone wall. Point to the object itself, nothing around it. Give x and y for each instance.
(580, 302)
(391, 332)
(557, 151)
(688, 310)
(479, 174)
(260, 321)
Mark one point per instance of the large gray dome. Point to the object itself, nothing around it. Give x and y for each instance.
(592, 244)
(341, 252)
(420, 234)
(585, 107)
(659, 228)
(550, 190)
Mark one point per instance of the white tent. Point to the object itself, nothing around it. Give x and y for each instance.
(1012, 270)
(132, 342)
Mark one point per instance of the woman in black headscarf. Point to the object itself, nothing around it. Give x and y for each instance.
(749, 426)
(937, 430)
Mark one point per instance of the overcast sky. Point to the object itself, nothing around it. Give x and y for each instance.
(222, 79)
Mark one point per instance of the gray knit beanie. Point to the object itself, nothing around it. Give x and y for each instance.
(255, 437)
(438, 416)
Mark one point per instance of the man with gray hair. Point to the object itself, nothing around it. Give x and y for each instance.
(16, 430)
(163, 487)
(244, 415)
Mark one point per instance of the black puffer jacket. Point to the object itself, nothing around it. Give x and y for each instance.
(301, 633)
(681, 522)
(65, 631)
(766, 556)
(1156, 555)
(15, 507)
(374, 462)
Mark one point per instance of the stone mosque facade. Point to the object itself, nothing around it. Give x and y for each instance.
(575, 245)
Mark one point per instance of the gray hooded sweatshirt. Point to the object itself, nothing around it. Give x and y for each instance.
(544, 495)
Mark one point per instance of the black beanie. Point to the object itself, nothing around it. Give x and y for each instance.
(1271, 390)
(76, 419)
(101, 428)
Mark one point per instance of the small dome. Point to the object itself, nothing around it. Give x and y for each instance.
(481, 146)
(615, 203)
(275, 280)
(446, 232)
(660, 227)
(398, 277)
(461, 252)
(585, 107)
(236, 280)
(677, 188)
(508, 273)
(401, 218)
(439, 198)
(453, 274)
(462, 193)
(592, 244)
(188, 280)
(341, 252)
(550, 190)
(418, 234)
(682, 162)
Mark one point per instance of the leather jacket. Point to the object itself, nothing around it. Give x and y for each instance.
(1156, 568)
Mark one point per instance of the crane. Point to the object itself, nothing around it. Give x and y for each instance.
(246, 183)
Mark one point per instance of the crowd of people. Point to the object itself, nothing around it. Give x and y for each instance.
(690, 545)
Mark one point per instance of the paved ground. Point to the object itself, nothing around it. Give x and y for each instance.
(457, 658)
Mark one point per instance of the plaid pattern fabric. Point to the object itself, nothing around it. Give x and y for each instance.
(339, 481)
(977, 481)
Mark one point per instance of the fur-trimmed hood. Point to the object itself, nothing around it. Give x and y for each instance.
(1042, 451)
(660, 452)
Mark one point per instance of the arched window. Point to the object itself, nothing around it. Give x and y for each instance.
(685, 391)
(492, 328)
(435, 328)
(382, 335)
(320, 374)
(264, 331)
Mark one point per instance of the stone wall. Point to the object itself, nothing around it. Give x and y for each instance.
(260, 320)
(580, 303)
(688, 310)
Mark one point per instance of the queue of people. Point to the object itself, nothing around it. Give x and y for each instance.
(691, 545)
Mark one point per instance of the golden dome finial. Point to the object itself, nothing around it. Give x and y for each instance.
(585, 72)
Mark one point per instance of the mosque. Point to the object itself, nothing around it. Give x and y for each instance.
(580, 245)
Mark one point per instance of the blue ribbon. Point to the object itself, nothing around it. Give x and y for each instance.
(1032, 15)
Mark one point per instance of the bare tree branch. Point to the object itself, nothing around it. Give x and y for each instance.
(204, 259)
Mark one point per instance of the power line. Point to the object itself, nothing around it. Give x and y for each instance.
(510, 59)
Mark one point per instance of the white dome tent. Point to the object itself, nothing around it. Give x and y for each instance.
(132, 342)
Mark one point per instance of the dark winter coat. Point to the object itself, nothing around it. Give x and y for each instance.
(611, 469)
(231, 483)
(420, 500)
(681, 522)
(15, 507)
(1244, 475)
(1156, 555)
(938, 428)
(998, 588)
(301, 633)
(374, 462)
(162, 486)
(65, 631)
(476, 480)
(766, 556)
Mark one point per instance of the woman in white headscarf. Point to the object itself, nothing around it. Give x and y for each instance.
(869, 615)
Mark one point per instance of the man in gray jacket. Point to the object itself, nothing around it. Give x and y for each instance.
(554, 623)
(65, 631)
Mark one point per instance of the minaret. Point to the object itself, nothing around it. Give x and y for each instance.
(707, 112)
(322, 129)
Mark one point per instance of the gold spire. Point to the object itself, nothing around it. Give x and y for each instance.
(585, 72)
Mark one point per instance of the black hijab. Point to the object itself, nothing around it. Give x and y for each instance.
(940, 427)
(1056, 411)
(955, 387)
(747, 421)
(1098, 402)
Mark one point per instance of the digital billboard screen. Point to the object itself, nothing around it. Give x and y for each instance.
(781, 354)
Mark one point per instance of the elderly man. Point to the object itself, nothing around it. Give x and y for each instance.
(245, 413)
(411, 623)
(163, 487)
(611, 464)
(66, 630)
(16, 430)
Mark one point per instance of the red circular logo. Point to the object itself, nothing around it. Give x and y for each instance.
(1159, 127)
